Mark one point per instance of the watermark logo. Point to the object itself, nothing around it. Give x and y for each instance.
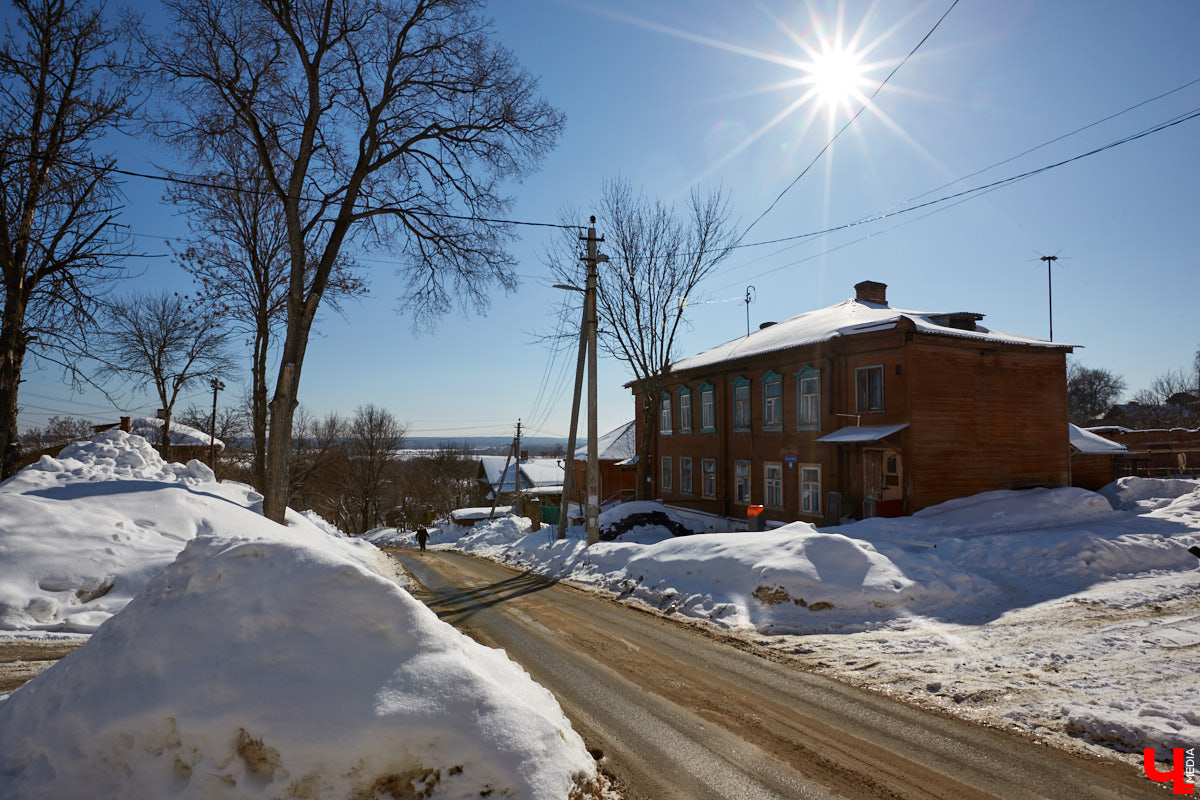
(1182, 774)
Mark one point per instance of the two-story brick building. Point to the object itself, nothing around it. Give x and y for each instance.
(879, 410)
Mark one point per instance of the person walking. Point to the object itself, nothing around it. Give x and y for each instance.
(422, 537)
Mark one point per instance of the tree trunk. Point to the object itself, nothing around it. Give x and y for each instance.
(258, 413)
(283, 406)
(12, 356)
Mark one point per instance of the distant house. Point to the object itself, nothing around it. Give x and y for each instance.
(617, 455)
(1153, 452)
(860, 409)
(1095, 460)
(186, 442)
(541, 477)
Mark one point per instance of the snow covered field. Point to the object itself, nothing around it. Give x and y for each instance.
(233, 657)
(1048, 611)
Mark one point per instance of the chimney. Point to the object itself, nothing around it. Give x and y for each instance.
(871, 292)
(126, 424)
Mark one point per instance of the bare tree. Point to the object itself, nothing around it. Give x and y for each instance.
(239, 254)
(164, 343)
(658, 257)
(58, 431)
(62, 87)
(389, 122)
(1091, 391)
(374, 438)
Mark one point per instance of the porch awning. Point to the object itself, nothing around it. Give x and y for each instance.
(861, 433)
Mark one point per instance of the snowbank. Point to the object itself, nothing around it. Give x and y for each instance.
(1147, 493)
(255, 661)
(81, 534)
(285, 667)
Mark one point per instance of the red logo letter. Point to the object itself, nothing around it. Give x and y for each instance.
(1176, 775)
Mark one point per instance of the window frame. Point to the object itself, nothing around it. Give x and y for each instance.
(816, 496)
(664, 475)
(862, 380)
(772, 422)
(807, 373)
(776, 483)
(708, 469)
(741, 406)
(741, 472)
(685, 419)
(685, 470)
(708, 422)
(664, 414)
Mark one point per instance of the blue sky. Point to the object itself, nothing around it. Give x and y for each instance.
(675, 94)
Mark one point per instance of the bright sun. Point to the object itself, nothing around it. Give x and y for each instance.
(835, 75)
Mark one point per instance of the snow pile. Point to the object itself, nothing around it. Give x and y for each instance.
(151, 429)
(1011, 510)
(496, 532)
(81, 534)
(255, 661)
(792, 578)
(642, 521)
(1147, 493)
(321, 523)
(285, 667)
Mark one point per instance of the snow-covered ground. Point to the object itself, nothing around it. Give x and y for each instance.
(233, 657)
(1044, 610)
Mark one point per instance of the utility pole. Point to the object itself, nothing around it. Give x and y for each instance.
(517, 452)
(500, 484)
(1050, 290)
(592, 513)
(217, 385)
(569, 472)
(750, 292)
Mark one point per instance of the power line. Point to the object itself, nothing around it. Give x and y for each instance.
(204, 184)
(849, 122)
(984, 187)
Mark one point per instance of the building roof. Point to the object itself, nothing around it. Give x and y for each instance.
(150, 428)
(861, 433)
(538, 473)
(1085, 441)
(850, 318)
(619, 444)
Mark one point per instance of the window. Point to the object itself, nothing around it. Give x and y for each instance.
(741, 481)
(741, 404)
(708, 409)
(685, 475)
(773, 485)
(772, 402)
(808, 399)
(869, 383)
(664, 414)
(810, 490)
(664, 481)
(708, 472)
(685, 410)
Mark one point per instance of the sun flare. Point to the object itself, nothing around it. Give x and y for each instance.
(836, 75)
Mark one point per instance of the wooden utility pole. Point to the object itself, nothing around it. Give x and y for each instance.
(500, 483)
(517, 454)
(592, 513)
(569, 473)
(217, 385)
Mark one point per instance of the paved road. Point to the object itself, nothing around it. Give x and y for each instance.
(681, 714)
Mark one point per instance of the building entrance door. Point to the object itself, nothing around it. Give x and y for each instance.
(872, 480)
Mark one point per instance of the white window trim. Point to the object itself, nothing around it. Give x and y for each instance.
(664, 414)
(767, 467)
(737, 483)
(690, 488)
(817, 467)
(704, 473)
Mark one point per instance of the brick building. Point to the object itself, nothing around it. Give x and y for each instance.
(872, 409)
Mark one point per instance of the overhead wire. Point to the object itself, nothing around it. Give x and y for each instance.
(848, 123)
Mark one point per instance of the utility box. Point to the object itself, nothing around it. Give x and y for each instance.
(756, 519)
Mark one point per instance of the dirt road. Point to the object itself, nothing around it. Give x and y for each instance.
(680, 713)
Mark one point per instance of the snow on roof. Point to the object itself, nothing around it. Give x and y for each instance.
(150, 429)
(861, 433)
(478, 512)
(538, 473)
(848, 318)
(619, 444)
(1091, 443)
